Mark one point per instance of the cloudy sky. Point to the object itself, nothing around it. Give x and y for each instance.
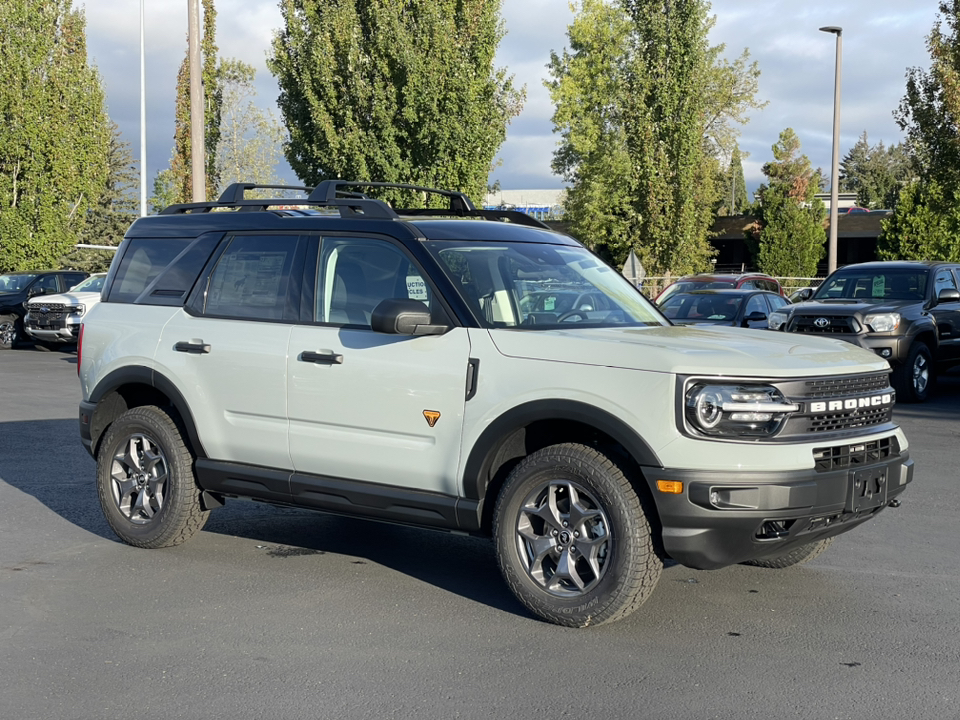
(881, 40)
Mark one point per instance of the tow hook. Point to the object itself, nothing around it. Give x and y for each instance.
(895, 503)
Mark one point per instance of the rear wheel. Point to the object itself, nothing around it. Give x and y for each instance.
(145, 480)
(573, 541)
(10, 331)
(796, 556)
(913, 379)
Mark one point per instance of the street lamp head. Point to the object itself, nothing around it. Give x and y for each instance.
(832, 29)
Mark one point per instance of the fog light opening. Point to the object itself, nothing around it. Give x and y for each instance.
(774, 529)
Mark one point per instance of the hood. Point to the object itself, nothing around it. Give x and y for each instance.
(67, 298)
(692, 350)
(848, 307)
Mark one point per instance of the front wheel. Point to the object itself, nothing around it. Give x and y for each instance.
(913, 379)
(572, 538)
(10, 332)
(145, 480)
(796, 556)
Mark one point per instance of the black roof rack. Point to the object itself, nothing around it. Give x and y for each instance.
(334, 193)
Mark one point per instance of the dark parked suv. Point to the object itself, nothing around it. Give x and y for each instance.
(18, 287)
(907, 312)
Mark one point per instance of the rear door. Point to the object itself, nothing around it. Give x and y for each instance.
(368, 406)
(947, 314)
(228, 347)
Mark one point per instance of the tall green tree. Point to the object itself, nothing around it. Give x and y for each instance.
(876, 173)
(929, 114)
(789, 238)
(54, 134)
(109, 218)
(180, 175)
(250, 137)
(647, 111)
(733, 198)
(393, 90)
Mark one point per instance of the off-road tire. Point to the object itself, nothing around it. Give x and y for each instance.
(584, 488)
(145, 480)
(797, 556)
(913, 379)
(10, 331)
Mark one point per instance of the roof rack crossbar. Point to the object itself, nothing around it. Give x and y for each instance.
(235, 192)
(514, 216)
(329, 190)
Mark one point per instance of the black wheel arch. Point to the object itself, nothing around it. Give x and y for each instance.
(531, 426)
(135, 386)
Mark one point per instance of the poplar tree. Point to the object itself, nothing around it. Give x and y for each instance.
(54, 133)
(646, 108)
(180, 175)
(393, 90)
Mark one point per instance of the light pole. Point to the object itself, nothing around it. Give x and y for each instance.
(143, 123)
(835, 164)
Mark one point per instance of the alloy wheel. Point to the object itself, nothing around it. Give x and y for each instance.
(139, 477)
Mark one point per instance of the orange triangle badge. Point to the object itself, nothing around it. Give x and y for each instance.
(432, 416)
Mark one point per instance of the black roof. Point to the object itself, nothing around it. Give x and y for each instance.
(895, 265)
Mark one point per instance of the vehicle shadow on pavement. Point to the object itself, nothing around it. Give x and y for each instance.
(44, 458)
(61, 476)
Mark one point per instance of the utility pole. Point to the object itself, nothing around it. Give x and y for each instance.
(835, 163)
(143, 123)
(197, 151)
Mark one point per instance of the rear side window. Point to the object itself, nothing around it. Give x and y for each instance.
(161, 271)
(251, 278)
(143, 260)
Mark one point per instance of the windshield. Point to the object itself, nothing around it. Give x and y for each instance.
(15, 283)
(94, 283)
(541, 286)
(688, 285)
(688, 308)
(875, 285)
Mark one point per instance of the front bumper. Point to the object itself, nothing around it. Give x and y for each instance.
(63, 330)
(724, 518)
(892, 348)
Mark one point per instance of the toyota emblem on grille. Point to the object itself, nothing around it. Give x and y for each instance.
(822, 322)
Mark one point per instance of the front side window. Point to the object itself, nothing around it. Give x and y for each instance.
(536, 286)
(94, 283)
(356, 275)
(943, 281)
(251, 278)
(15, 283)
(756, 304)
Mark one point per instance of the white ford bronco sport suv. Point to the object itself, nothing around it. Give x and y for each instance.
(408, 365)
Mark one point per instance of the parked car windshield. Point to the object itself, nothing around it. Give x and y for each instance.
(540, 286)
(702, 308)
(15, 283)
(94, 283)
(875, 285)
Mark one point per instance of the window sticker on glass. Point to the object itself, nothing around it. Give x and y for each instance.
(549, 303)
(878, 286)
(417, 288)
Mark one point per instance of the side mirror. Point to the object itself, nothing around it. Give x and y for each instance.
(755, 316)
(948, 295)
(36, 291)
(804, 295)
(402, 316)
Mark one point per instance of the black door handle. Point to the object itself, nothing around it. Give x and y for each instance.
(199, 347)
(325, 356)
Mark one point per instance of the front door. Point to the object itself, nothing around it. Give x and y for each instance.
(369, 406)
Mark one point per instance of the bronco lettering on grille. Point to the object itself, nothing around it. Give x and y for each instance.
(851, 403)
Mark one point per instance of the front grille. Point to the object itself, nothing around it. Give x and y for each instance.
(54, 312)
(864, 417)
(842, 457)
(845, 385)
(824, 324)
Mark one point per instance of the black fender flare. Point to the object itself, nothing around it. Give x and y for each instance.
(140, 375)
(477, 468)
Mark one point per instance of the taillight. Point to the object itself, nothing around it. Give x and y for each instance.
(79, 348)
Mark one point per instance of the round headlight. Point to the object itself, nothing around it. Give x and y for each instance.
(709, 408)
(735, 410)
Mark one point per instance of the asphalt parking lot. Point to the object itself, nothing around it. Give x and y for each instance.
(277, 613)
